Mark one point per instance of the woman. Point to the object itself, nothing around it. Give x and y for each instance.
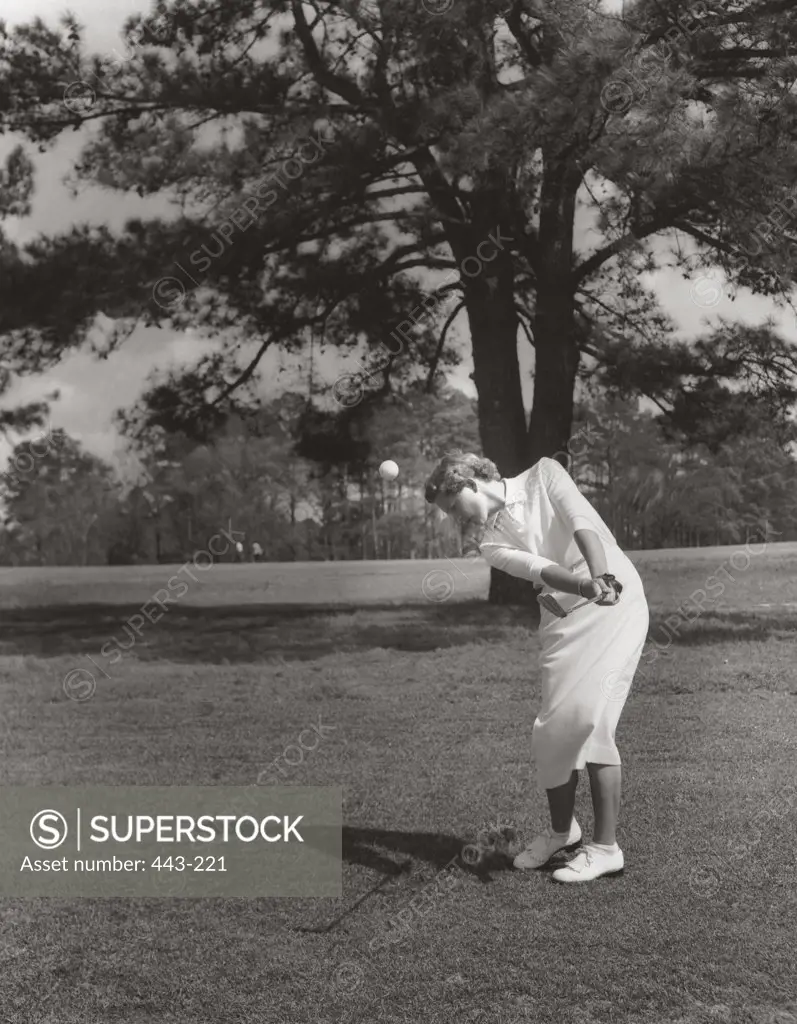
(540, 527)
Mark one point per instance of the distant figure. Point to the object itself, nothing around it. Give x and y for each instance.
(239, 552)
(257, 552)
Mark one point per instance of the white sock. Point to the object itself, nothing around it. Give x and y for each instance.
(560, 835)
(613, 848)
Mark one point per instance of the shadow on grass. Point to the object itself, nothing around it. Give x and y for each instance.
(252, 633)
(363, 845)
(718, 627)
(393, 854)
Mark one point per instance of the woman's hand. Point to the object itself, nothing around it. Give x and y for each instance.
(611, 588)
(589, 589)
(606, 588)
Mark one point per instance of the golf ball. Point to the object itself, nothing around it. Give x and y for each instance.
(388, 470)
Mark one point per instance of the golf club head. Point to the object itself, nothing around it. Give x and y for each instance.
(549, 602)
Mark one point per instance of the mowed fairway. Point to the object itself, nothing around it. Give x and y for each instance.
(428, 696)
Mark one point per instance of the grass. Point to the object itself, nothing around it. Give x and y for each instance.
(432, 706)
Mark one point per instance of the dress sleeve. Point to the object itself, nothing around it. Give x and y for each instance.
(569, 503)
(515, 562)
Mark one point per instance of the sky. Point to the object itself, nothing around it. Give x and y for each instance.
(92, 390)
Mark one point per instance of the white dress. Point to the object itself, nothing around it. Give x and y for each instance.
(587, 660)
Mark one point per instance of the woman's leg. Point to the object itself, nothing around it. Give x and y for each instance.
(561, 802)
(564, 830)
(605, 782)
(602, 856)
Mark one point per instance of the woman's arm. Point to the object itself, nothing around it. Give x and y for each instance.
(569, 503)
(535, 568)
(574, 510)
(563, 579)
(591, 547)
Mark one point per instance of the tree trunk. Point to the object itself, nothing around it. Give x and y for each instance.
(373, 523)
(556, 350)
(489, 288)
(511, 590)
(363, 507)
(490, 302)
(556, 354)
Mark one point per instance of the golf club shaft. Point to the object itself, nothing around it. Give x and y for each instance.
(549, 601)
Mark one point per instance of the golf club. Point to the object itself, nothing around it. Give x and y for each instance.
(549, 601)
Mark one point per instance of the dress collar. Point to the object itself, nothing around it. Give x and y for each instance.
(515, 490)
(514, 494)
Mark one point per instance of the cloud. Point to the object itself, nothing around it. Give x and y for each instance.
(103, 21)
(92, 390)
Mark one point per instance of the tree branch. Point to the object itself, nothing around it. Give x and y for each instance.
(247, 374)
(597, 259)
(439, 350)
(521, 315)
(701, 236)
(326, 78)
(427, 264)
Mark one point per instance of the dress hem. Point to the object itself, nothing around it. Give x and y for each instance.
(595, 755)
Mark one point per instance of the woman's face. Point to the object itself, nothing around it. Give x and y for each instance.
(469, 507)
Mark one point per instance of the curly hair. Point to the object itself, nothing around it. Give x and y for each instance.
(454, 470)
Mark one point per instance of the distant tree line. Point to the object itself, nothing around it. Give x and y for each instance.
(302, 481)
